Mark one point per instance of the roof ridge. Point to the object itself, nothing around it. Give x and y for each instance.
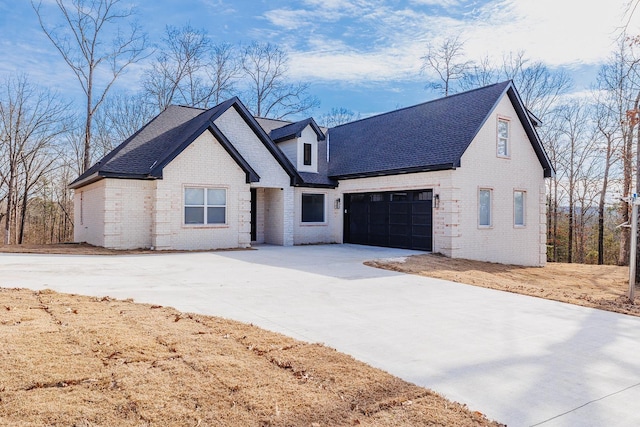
(424, 103)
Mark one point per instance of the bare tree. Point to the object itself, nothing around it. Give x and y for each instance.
(174, 74)
(448, 62)
(578, 142)
(338, 116)
(539, 87)
(270, 94)
(30, 120)
(480, 73)
(120, 117)
(82, 43)
(191, 70)
(223, 72)
(609, 129)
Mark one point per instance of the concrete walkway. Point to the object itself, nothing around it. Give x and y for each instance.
(520, 360)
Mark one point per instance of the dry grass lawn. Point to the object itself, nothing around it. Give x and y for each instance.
(599, 286)
(74, 360)
(70, 360)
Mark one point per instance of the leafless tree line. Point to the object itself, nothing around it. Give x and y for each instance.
(45, 142)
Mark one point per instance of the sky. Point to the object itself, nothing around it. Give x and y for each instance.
(363, 55)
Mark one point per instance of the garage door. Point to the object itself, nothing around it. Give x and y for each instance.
(398, 219)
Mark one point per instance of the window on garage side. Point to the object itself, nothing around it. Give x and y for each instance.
(205, 205)
(519, 208)
(312, 207)
(484, 207)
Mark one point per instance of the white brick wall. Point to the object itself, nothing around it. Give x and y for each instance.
(88, 213)
(252, 150)
(306, 233)
(482, 168)
(116, 213)
(205, 163)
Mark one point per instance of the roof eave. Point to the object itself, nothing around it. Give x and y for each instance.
(530, 130)
(78, 183)
(415, 169)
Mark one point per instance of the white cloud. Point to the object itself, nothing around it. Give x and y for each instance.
(558, 32)
(441, 3)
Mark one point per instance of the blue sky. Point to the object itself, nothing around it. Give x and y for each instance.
(363, 55)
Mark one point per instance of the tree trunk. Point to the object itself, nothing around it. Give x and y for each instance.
(8, 215)
(87, 133)
(603, 194)
(23, 213)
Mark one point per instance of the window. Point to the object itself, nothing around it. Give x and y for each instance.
(205, 205)
(484, 207)
(313, 208)
(307, 154)
(518, 208)
(503, 138)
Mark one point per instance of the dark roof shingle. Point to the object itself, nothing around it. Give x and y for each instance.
(428, 136)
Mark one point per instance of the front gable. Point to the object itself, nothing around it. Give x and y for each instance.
(272, 167)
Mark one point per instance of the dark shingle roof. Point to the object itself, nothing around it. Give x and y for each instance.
(429, 136)
(145, 153)
(294, 130)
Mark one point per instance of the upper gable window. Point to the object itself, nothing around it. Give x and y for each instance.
(503, 138)
(307, 154)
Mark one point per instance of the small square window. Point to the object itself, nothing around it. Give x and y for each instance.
(307, 154)
(313, 208)
(503, 138)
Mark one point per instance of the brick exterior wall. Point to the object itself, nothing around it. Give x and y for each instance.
(328, 232)
(206, 164)
(124, 214)
(482, 168)
(89, 214)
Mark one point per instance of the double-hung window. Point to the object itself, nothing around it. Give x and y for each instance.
(519, 208)
(503, 138)
(313, 207)
(205, 205)
(484, 207)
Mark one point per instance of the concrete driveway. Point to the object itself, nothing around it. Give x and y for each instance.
(520, 360)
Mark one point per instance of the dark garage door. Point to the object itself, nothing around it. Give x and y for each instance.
(398, 219)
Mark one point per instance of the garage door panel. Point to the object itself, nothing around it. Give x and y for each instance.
(395, 219)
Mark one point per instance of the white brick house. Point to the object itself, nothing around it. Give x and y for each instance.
(462, 176)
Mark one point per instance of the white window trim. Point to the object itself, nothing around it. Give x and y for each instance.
(524, 208)
(490, 190)
(205, 225)
(325, 215)
(507, 120)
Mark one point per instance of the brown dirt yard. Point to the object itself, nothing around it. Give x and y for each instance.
(70, 360)
(599, 286)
